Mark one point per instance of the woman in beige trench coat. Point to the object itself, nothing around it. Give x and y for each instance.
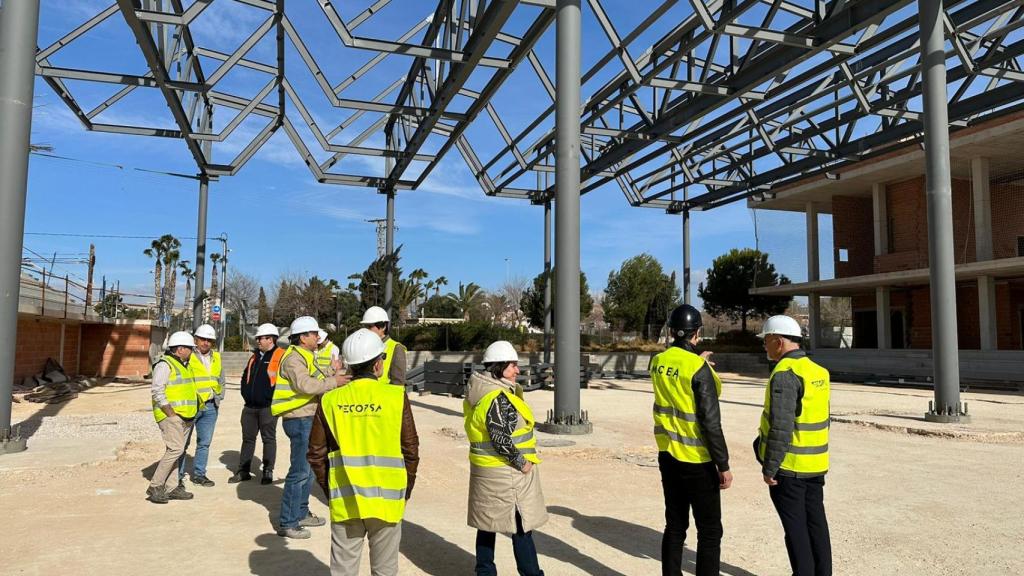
(504, 482)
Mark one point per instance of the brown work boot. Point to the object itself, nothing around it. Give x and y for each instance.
(157, 495)
(180, 493)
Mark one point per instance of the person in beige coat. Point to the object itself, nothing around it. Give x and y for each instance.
(504, 482)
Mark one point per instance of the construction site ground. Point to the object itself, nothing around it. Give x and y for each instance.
(903, 496)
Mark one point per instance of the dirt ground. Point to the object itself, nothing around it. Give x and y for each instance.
(903, 496)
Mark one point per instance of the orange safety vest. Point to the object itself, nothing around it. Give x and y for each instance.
(272, 369)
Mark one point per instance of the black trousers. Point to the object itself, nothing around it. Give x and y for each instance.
(262, 421)
(800, 503)
(690, 486)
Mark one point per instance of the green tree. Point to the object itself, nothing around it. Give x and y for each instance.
(532, 303)
(111, 306)
(469, 297)
(729, 280)
(441, 306)
(263, 313)
(639, 296)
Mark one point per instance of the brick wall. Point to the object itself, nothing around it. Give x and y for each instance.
(853, 232)
(39, 339)
(1007, 219)
(115, 350)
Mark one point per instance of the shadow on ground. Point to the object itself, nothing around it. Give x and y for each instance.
(632, 539)
(439, 409)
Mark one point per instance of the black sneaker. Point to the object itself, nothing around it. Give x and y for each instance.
(180, 493)
(203, 481)
(240, 476)
(268, 477)
(157, 495)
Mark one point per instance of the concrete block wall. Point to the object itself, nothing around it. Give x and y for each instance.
(39, 339)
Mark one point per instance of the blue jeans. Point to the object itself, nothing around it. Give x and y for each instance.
(522, 547)
(299, 481)
(206, 421)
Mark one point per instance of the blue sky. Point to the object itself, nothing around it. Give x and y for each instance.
(280, 221)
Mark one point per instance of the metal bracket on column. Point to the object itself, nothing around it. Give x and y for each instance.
(571, 424)
(948, 414)
(12, 442)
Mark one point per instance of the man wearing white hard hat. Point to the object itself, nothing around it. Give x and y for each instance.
(176, 402)
(328, 357)
(369, 474)
(504, 480)
(258, 380)
(376, 320)
(792, 446)
(209, 377)
(299, 384)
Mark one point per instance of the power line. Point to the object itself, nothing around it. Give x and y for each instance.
(114, 236)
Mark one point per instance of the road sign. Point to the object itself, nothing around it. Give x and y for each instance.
(216, 308)
(215, 316)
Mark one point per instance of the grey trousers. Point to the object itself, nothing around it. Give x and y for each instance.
(347, 546)
(262, 421)
(175, 431)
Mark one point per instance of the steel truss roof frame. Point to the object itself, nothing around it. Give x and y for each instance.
(739, 98)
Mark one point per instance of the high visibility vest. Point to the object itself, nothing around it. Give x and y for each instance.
(286, 398)
(808, 451)
(207, 381)
(181, 391)
(389, 355)
(675, 410)
(273, 367)
(324, 356)
(367, 477)
(481, 451)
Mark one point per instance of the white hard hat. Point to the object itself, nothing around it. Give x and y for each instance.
(206, 331)
(781, 325)
(304, 324)
(361, 347)
(268, 330)
(321, 336)
(181, 339)
(375, 314)
(500, 351)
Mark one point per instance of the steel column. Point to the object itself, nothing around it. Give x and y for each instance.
(813, 275)
(389, 243)
(19, 24)
(567, 418)
(547, 282)
(686, 256)
(200, 269)
(945, 346)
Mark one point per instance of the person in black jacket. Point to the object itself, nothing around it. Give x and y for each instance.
(258, 381)
(692, 455)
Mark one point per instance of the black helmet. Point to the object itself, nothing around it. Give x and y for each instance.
(684, 319)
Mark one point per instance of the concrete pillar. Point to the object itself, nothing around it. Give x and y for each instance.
(939, 191)
(881, 219)
(19, 26)
(883, 320)
(981, 193)
(813, 275)
(987, 324)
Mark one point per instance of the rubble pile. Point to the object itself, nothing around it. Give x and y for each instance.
(52, 385)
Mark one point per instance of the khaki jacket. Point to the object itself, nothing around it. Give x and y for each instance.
(295, 370)
(496, 494)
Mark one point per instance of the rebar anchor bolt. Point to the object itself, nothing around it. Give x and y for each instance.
(573, 424)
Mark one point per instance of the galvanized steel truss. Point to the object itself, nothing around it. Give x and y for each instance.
(738, 99)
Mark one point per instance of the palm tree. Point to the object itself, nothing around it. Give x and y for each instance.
(188, 274)
(438, 282)
(170, 261)
(417, 276)
(155, 251)
(469, 297)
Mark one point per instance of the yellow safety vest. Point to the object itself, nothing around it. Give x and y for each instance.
(367, 477)
(389, 355)
(207, 382)
(675, 411)
(181, 391)
(481, 451)
(808, 451)
(324, 356)
(286, 398)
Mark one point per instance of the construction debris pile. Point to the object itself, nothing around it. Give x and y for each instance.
(53, 385)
